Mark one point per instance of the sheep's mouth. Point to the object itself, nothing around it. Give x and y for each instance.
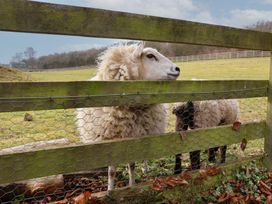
(172, 76)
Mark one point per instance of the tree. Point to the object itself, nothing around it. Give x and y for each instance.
(30, 57)
(29, 53)
(17, 61)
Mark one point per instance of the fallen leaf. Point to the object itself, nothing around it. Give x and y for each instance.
(185, 175)
(81, 199)
(224, 197)
(183, 135)
(236, 125)
(268, 199)
(65, 201)
(183, 182)
(203, 173)
(213, 171)
(264, 185)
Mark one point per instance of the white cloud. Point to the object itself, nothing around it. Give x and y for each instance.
(242, 18)
(179, 9)
(266, 1)
(86, 46)
(78, 47)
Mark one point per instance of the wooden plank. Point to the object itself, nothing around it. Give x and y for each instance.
(268, 136)
(22, 96)
(27, 165)
(28, 16)
(142, 193)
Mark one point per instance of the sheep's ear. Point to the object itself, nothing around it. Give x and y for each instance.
(138, 51)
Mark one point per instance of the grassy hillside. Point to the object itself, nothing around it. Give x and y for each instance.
(11, 74)
(64, 75)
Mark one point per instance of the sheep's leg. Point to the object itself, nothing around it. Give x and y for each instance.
(178, 167)
(111, 177)
(212, 152)
(145, 167)
(195, 159)
(223, 151)
(131, 173)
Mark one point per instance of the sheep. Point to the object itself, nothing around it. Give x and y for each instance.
(126, 62)
(204, 114)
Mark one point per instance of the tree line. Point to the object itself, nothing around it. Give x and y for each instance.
(28, 59)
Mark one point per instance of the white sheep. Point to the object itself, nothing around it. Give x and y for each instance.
(126, 62)
(204, 114)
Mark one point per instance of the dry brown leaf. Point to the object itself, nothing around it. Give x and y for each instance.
(183, 182)
(236, 125)
(65, 201)
(268, 199)
(185, 175)
(183, 135)
(264, 191)
(224, 197)
(264, 185)
(203, 173)
(213, 171)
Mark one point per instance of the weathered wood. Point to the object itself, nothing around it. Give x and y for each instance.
(35, 145)
(28, 16)
(27, 165)
(24, 96)
(142, 193)
(268, 136)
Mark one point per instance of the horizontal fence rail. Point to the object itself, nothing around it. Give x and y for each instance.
(24, 96)
(47, 162)
(221, 55)
(28, 16)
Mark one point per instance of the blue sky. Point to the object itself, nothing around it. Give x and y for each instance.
(236, 13)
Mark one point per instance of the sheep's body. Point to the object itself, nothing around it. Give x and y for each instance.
(106, 123)
(205, 114)
(211, 113)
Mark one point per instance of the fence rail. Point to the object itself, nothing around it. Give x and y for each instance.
(28, 16)
(47, 162)
(24, 96)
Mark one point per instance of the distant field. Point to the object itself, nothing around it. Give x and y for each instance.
(57, 124)
(246, 68)
(64, 75)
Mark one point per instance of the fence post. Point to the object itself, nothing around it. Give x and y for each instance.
(268, 136)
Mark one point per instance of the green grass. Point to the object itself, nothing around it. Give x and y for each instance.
(247, 68)
(57, 124)
(64, 75)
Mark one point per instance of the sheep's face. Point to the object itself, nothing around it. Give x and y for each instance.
(155, 66)
(185, 116)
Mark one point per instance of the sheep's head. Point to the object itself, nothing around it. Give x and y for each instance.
(154, 66)
(185, 116)
(134, 62)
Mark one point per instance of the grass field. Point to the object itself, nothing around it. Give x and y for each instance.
(246, 68)
(55, 124)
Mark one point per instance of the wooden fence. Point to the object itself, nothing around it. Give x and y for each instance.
(34, 17)
(221, 55)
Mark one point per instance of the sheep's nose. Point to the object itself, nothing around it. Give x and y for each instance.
(177, 69)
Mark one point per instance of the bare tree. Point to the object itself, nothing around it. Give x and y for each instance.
(30, 57)
(17, 60)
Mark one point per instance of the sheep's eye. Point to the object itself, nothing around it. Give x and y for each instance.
(150, 56)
